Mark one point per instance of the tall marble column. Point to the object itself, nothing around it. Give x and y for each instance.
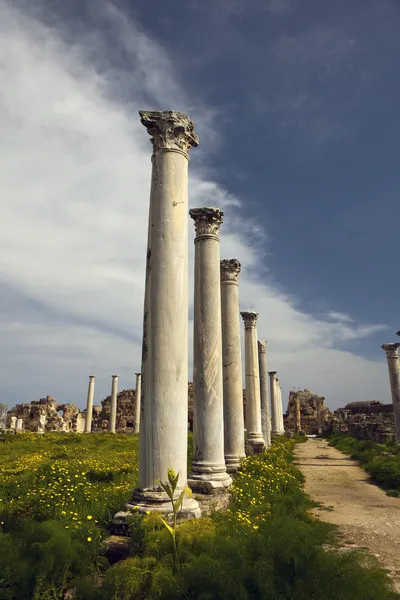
(265, 412)
(208, 468)
(253, 397)
(113, 410)
(392, 356)
(138, 394)
(280, 406)
(164, 406)
(89, 405)
(274, 403)
(232, 365)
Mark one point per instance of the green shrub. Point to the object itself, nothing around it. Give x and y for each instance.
(381, 461)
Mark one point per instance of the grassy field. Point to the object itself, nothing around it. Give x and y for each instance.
(58, 493)
(381, 461)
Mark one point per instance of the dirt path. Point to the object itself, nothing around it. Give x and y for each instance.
(366, 517)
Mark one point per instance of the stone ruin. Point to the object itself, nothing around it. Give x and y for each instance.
(314, 415)
(368, 420)
(126, 404)
(45, 415)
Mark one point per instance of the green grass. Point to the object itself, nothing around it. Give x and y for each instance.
(58, 493)
(381, 461)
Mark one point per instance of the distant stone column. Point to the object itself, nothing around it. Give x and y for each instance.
(164, 406)
(297, 426)
(274, 403)
(20, 424)
(208, 468)
(13, 423)
(138, 395)
(253, 396)
(113, 410)
(280, 407)
(392, 357)
(89, 405)
(265, 412)
(232, 365)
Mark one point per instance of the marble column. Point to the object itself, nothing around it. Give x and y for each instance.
(297, 426)
(20, 424)
(274, 403)
(164, 405)
(253, 396)
(89, 405)
(232, 365)
(208, 468)
(13, 423)
(138, 395)
(392, 357)
(113, 410)
(265, 412)
(280, 407)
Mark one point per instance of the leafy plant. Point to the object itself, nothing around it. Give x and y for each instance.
(169, 487)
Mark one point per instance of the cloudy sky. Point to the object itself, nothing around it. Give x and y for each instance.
(296, 103)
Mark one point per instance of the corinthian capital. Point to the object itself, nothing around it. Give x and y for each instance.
(250, 319)
(262, 346)
(169, 130)
(230, 270)
(391, 350)
(272, 374)
(207, 220)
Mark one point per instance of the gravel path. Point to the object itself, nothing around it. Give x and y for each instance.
(366, 517)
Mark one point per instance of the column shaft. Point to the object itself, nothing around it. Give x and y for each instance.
(138, 395)
(232, 365)
(280, 407)
(208, 469)
(392, 356)
(274, 403)
(253, 397)
(297, 415)
(89, 405)
(265, 412)
(113, 409)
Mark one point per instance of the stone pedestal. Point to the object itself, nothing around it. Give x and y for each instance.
(164, 407)
(138, 395)
(113, 409)
(208, 468)
(253, 397)
(392, 357)
(89, 405)
(232, 365)
(13, 423)
(265, 412)
(275, 429)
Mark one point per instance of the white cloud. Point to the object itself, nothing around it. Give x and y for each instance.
(74, 180)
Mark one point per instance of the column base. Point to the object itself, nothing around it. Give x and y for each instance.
(144, 501)
(232, 462)
(256, 445)
(208, 479)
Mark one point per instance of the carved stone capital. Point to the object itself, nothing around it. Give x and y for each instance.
(169, 130)
(207, 220)
(115, 376)
(391, 350)
(272, 373)
(250, 319)
(91, 377)
(262, 346)
(230, 269)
